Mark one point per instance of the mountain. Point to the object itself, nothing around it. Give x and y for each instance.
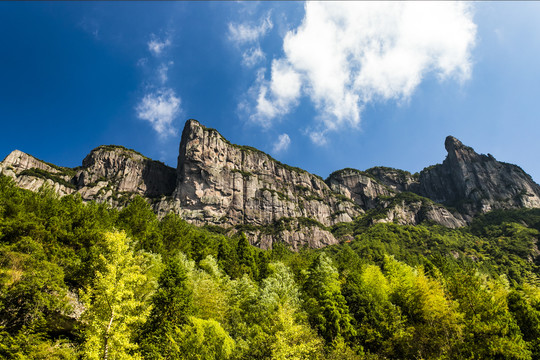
(240, 188)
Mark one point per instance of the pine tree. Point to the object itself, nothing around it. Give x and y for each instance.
(327, 309)
(172, 307)
(246, 259)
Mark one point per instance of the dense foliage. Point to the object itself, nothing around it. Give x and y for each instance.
(91, 282)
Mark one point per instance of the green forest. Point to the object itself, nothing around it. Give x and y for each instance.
(87, 281)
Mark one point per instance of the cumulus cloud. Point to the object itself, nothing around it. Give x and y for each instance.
(160, 108)
(277, 96)
(282, 143)
(156, 46)
(345, 55)
(242, 33)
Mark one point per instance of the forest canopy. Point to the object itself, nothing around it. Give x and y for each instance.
(87, 281)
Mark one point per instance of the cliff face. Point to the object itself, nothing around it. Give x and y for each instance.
(244, 189)
(384, 189)
(475, 183)
(124, 171)
(359, 186)
(219, 182)
(109, 174)
(31, 173)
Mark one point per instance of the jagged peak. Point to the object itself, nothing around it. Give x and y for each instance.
(193, 122)
(190, 132)
(452, 144)
(190, 126)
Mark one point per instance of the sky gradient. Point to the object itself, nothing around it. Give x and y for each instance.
(321, 86)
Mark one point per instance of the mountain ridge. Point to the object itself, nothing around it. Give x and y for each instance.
(241, 188)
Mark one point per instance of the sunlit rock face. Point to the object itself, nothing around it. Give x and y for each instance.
(241, 188)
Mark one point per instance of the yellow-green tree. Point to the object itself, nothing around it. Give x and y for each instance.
(379, 323)
(202, 339)
(433, 323)
(115, 304)
(490, 331)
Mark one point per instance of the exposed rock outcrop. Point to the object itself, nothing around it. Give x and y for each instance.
(475, 183)
(296, 233)
(223, 183)
(395, 179)
(124, 171)
(410, 209)
(359, 186)
(17, 161)
(111, 174)
(389, 191)
(242, 188)
(31, 173)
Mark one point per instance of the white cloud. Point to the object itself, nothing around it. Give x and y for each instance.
(318, 137)
(282, 143)
(277, 96)
(249, 35)
(163, 70)
(245, 33)
(347, 54)
(160, 108)
(252, 56)
(156, 46)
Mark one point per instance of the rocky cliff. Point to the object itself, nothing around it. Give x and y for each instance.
(226, 184)
(243, 189)
(112, 170)
(389, 192)
(31, 173)
(110, 173)
(220, 181)
(475, 183)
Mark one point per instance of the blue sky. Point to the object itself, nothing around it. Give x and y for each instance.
(320, 86)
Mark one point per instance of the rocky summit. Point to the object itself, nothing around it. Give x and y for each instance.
(241, 188)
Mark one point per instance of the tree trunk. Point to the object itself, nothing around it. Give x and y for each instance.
(106, 347)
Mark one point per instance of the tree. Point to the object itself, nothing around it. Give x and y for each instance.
(324, 303)
(140, 222)
(246, 258)
(490, 331)
(291, 337)
(279, 289)
(172, 305)
(115, 306)
(176, 234)
(202, 339)
(210, 290)
(378, 322)
(32, 288)
(247, 320)
(227, 258)
(526, 311)
(434, 325)
(294, 340)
